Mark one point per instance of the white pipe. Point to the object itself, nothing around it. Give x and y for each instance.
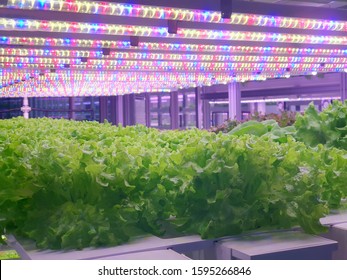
(25, 108)
(262, 108)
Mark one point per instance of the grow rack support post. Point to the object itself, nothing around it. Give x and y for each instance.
(116, 109)
(25, 108)
(103, 108)
(129, 109)
(234, 96)
(343, 86)
(174, 112)
(198, 108)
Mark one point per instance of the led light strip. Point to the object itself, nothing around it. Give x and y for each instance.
(112, 80)
(50, 88)
(39, 85)
(111, 76)
(95, 80)
(34, 83)
(138, 65)
(172, 83)
(144, 31)
(130, 10)
(127, 76)
(53, 53)
(36, 54)
(256, 37)
(141, 77)
(73, 91)
(55, 42)
(14, 72)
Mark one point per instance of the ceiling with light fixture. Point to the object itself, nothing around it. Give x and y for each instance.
(91, 48)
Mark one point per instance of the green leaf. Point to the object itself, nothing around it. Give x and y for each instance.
(251, 127)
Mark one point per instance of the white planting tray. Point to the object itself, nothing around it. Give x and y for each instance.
(179, 244)
(337, 217)
(288, 245)
(338, 232)
(144, 244)
(149, 255)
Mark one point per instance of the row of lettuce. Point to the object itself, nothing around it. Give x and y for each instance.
(313, 128)
(68, 185)
(283, 118)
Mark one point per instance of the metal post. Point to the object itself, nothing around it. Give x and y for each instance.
(206, 124)
(159, 111)
(198, 108)
(72, 114)
(119, 110)
(343, 87)
(103, 108)
(234, 95)
(129, 109)
(126, 109)
(132, 110)
(174, 109)
(148, 109)
(113, 109)
(25, 108)
(182, 113)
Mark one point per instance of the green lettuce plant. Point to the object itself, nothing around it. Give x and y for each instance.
(71, 185)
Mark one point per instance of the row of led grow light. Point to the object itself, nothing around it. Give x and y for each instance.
(176, 79)
(144, 31)
(109, 76)
(185, 78)
(137, 65)
(39, 55)
(73, 92)
(174, 82)
(37, 84)
(130, 10)
(81, 43)
(77, 89)
(245, 62)
(57, 89)
(50, 89)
